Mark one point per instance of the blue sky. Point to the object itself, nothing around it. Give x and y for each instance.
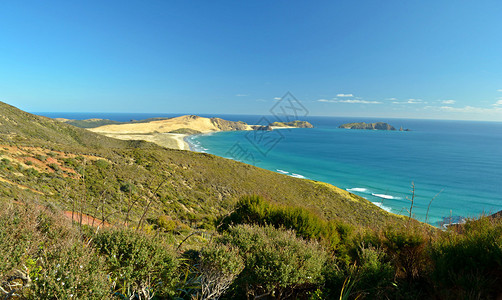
(410, 59)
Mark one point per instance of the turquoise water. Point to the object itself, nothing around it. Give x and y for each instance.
(457, 162)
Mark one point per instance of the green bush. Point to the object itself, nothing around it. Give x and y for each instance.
(37, 243)
(276, 262)
(469, 264)
(102, 164)
(255, 210)
(218, 267)
(41, 157)
(165, 223)
(69, 271)
(407, 247)
(54, 166)
(376, 274)
(138, 263)
(127, 187)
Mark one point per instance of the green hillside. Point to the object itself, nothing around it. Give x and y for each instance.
(90, 123)
(194, 187)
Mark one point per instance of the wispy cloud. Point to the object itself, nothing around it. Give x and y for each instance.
(448, 101)
(391, 99)
(241, 95)
(499, 90)
(360, 101)
(277, 98)
(471, 109)
(498, 103)
(410, 101)
(352, 101)
(345, 95)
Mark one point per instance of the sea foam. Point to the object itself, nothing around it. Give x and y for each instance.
(380, 204)
(383, 196)
(297, 175)
(360, 190)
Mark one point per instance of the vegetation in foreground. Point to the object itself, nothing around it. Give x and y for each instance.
(143, 222)
(47, 256)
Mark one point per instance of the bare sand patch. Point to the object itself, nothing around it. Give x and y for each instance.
(168, 140)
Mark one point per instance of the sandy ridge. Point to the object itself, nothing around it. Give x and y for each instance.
(159, 132)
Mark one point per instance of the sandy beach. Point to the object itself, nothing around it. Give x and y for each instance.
(281, 127)
(168, 140)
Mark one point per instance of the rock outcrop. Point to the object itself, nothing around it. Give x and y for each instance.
(368, 126)
(296, 124)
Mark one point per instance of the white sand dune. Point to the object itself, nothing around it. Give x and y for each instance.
(160, 132)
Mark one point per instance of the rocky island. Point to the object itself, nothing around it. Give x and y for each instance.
(292, 124)
(370, 126)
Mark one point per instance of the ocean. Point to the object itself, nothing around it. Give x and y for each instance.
(455, 166)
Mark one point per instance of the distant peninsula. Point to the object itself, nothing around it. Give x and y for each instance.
(370, 126)
(170, 132)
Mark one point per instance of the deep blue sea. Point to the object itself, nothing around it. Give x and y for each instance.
(456, 163)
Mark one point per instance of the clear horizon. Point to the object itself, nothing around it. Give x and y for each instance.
(418, 60)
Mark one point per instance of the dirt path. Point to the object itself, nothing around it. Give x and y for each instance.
(86, 219)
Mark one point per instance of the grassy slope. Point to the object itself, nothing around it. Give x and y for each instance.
(196, 187)
(92, 123)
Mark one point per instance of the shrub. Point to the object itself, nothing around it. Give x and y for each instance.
(31, 172)
(54, 166)
(375, 274)
(41, 157)
(407, 247)
(165, 223)
(138, 264)
(218, 267)
(276, 261)
(127, 187)
(469, 264)
(36, 243)
(102, 164)
(69, 271)
(255, 210)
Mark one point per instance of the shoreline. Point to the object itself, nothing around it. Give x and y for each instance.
(181, 141)
(191, 147)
